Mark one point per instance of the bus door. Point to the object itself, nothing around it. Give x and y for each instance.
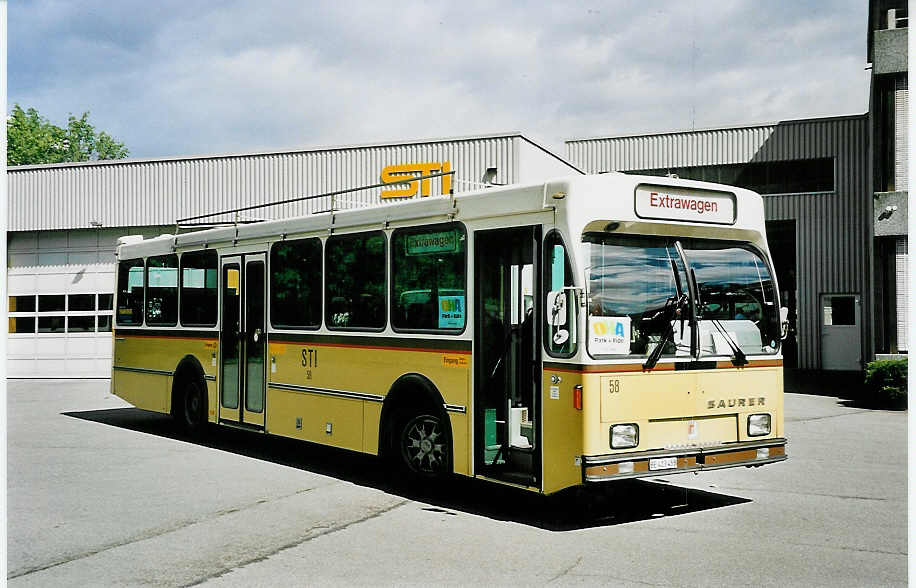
(507, 366)
(242, 340)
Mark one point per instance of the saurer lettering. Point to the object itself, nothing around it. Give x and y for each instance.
(735, 402)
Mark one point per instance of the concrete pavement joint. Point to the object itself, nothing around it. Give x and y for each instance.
(613, 580)
(151, 534)
(830, 416)
(777, 491)
(676, 529)
(306, 539)
(843, 548)
(566, 570)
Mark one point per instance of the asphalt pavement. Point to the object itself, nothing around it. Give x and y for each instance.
(103, 494)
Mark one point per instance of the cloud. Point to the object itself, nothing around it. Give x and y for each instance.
(177, 78)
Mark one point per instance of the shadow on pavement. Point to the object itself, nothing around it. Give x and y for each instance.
(846, 385)
(575, 508)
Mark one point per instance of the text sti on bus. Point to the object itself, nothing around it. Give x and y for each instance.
(586, 329)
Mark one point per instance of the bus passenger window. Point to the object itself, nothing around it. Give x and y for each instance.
(560, 325)
(199, 275)
(162, 290)
(130, 292)
(355, 285)
(295, 284)
(429, 278)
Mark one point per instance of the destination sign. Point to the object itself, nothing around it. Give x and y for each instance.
(685, 204)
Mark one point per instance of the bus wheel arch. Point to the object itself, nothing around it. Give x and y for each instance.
(414, 407)
(189, 395)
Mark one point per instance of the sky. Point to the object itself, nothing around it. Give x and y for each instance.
(174, 78)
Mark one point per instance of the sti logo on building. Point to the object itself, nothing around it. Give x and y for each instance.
(397, 174)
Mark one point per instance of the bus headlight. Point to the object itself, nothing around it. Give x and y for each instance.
(624, 436)
(758, 424)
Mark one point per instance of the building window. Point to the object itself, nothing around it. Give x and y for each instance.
(295, 284)
(105, 301)
(22, 324)
(51, 302)
(50, 324)
(355, 286)
(81, 324)
(104, 323)
(764, 177)
(428, 268)
(22, 303)
(81, 302)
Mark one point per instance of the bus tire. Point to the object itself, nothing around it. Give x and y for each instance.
(422, 445)
(191, 411)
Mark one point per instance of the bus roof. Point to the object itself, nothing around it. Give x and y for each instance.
(635, 204)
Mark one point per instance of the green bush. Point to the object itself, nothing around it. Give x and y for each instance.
(885, 382)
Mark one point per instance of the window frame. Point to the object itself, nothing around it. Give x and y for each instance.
(321, 287)
(181, 288)
(115, 309)
(16, 317)
(63, 307)
(146, 297)
(32, 310)
(48, 317)
(325, 297)
(545, 287)
(747, 246)
(93, 329)
(390, 269)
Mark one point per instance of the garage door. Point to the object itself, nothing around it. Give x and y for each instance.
(60, 301)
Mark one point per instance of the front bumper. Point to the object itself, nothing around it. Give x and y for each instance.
(637, 465)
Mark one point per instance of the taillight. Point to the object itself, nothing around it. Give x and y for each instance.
(577, 397)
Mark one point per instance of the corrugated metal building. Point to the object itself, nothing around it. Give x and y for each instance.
(64, 221)
(814, 175)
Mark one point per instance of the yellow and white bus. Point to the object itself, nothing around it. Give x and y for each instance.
(586, 329)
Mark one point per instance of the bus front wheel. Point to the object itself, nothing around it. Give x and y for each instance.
(424, 445)
(191, 411)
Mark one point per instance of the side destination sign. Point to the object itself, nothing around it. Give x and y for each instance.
(685, 204)
(424, 243)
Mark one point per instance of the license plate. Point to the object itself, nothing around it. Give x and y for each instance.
(663, 463)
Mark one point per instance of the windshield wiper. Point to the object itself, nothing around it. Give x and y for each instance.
(738, 357)
(673, 309)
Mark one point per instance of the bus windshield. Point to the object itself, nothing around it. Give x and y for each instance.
(638, 287)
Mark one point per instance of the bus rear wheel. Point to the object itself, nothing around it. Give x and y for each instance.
(424, 446)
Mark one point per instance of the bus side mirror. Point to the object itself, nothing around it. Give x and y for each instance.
(783, 322)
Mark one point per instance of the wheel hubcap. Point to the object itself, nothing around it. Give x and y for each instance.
(423, 445)
(192, 406)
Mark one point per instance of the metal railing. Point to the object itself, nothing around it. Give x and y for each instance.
(335, 201)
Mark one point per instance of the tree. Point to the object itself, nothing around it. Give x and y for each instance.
(33, 139)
